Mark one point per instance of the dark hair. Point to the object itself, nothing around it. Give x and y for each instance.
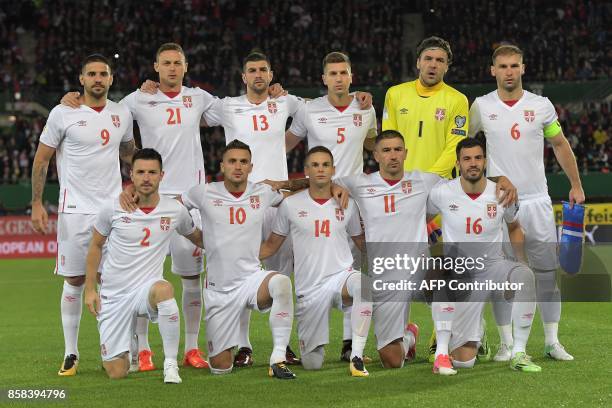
(335, 57)
(147, 154)
(319, 149)
(388, 134)
(468, 142)
(255, 56)
(169, 47)
(236, 144)
(506, 49)
(435, 42)
(96, 58)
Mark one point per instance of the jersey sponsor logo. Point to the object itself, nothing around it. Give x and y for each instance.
(272, 108)
(529, 115)
(127, 220)
(116, 120)
(407, 187)
(217, 203)
(491, 210)
(82, 123)
(339, 214)
(303, 214)
(164, 223)
(187, 101)
(440, 113)
(322, 120)
(254, 200)
(460, 121)
(403, 111)
(453, 207)
(492, 116)
(357, 119)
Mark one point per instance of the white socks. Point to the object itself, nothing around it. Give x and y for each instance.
(192, 311)
(142, 332)
(71, 306)
(523, 308)
(169, 327)
(505, 334)
(347, 330)
(281, 315)
(551, 331)
(443, 314)
(361, 315)
(245, 323)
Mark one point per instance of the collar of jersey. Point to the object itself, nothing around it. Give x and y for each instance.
(428, 90)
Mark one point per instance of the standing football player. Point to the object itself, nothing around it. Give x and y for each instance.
(515, 123)
(88, 142)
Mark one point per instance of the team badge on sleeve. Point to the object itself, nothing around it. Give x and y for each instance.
(440, 113)
(407, 187)
(254, 202)
(164, 223)
(529, 115)
(272, 108)
(357, 119)
(339, 214)
(460, 121)
(116, 120)
(491, 210)
(187, 101)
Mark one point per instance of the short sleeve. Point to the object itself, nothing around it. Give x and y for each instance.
(214, 114)
(347, 182)
(294, 104)
(185, 225)
(388, 117)
(194, 197)
(273, 197)
(54, 131)
(130, 102)
(281, 221)
(430, 180)
(298, 125)
(433, 200)
(374, 125)
(475, 123)
(128, 135)
(511, 212)
(550, 114)
(353, 226)
(104, 221)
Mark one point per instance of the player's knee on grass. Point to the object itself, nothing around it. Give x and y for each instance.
(118, 367)
(75, 280)
(392, 355)
(466, 352)
(222, 363)
(313, 360)
(160, 291)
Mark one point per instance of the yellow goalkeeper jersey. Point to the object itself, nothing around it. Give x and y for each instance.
(431, 120)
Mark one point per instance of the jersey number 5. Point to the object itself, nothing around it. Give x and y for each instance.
(341, 137)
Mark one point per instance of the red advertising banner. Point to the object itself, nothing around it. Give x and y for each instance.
(19, 240)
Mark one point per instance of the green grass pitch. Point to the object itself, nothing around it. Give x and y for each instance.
(32, 349)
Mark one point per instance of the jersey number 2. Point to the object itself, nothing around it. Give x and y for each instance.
(145, 241)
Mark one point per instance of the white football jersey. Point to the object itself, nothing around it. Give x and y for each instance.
(232, 230)
(138, 242)
(319, 234)
(342, 133)
(515, 138)
(261, 126)
(172, 127)
(392, 213)
(467, 220)
(87, 154)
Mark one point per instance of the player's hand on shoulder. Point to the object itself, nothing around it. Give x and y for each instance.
(276, 90)
(341, 195)
(40, 218)
(128, 199)
(505, 191)
(364, 99)
(92, 300)
(149, 87)
(276, 185)
(72, 100)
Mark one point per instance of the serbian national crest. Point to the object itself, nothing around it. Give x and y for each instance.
(254, 201)
(116, 120)
(187, 101)
(357, 119)
(529, 115)
(164, 223)
(272, 108)
(339, 214)
(440, 113)
(407, 187)
(491, 210)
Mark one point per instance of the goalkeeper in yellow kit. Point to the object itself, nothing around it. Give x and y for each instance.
(433, 117)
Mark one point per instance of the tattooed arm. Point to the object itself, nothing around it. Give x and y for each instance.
(40, 218)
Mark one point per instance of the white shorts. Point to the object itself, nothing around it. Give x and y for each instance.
(74, 232)
(223, 310)
(117, 318)
(312, 312)
(282, 261)
(186, 257)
